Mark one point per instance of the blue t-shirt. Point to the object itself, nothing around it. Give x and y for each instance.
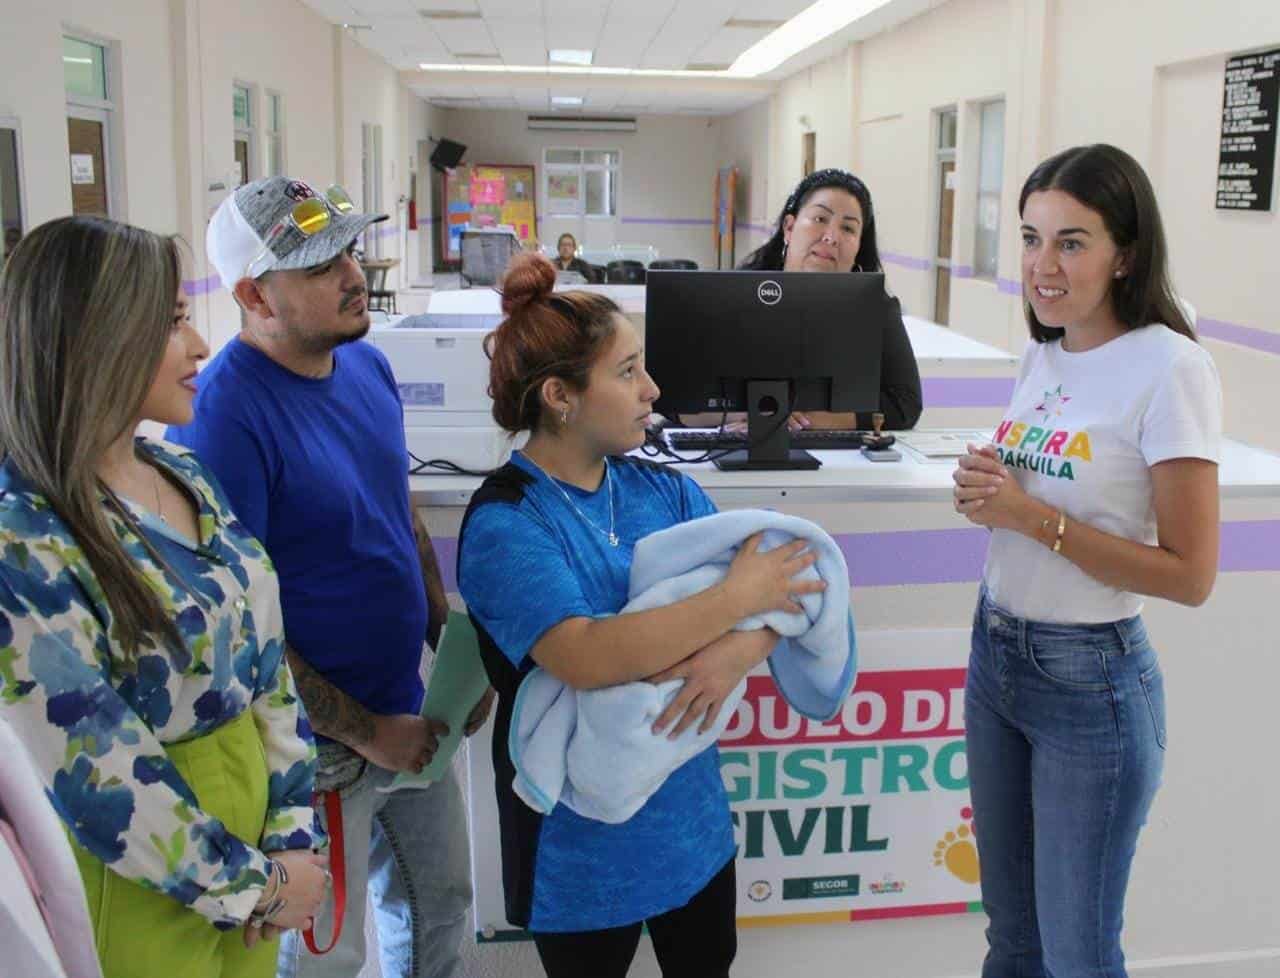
(317, 470)
(528, 561)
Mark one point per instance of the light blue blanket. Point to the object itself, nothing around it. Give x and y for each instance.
(594, 750)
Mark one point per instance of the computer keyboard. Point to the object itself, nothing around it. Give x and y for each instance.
(830, 439)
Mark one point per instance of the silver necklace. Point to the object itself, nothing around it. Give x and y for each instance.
(155, 484)
(608, 479)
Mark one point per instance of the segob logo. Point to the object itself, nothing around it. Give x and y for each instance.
(769, 292)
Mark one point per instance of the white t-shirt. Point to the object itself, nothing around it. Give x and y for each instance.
(1081, 434)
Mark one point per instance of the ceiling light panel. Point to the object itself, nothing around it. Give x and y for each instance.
(569, 56)
(445, 14)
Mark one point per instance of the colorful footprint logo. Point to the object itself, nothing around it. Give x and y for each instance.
(957, 850)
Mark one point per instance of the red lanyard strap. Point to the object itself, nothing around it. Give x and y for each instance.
(337, 867)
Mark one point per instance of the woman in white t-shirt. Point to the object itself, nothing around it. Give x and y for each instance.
(1101, 486)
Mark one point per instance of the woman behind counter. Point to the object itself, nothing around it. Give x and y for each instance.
(829, 225)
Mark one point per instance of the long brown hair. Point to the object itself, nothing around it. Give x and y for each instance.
(1113, 184)
(86, 306)
(546, 334)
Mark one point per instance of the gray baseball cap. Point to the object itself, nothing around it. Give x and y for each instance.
(246, 219)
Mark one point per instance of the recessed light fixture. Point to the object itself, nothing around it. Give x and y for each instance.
(813, 24)
(566, 99)
(568, 56)
(450, 14)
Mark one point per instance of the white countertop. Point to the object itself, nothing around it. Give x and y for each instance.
(1246, 472)
(941, 345)
(484, 300)
(933, 344)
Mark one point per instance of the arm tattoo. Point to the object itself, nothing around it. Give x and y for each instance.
(437, 601)
(331, 711)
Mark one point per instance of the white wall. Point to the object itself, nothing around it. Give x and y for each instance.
(177, 61)
(32, 90)
(1146, 76)
(666, 181)
(743, 140)
(1169, 119)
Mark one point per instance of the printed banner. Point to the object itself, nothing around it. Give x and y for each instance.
(866, 816)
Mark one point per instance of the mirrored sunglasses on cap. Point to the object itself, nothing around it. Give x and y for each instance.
(307, 217)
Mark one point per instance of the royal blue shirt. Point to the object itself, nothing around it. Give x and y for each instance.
(529, 558)
(317, 470)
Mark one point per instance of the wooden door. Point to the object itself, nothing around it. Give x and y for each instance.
(809, 150)
(242, 160)
(88, 166)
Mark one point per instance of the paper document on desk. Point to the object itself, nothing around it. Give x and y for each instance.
(458, 680)
(944, 443)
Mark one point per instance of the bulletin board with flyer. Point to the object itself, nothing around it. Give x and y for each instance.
(488, 195)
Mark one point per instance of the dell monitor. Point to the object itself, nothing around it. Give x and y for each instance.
(767, 343)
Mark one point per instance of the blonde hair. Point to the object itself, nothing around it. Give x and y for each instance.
(86, 305)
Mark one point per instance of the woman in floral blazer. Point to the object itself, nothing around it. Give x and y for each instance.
(141, 640)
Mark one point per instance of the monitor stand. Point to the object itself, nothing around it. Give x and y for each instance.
(768, 441)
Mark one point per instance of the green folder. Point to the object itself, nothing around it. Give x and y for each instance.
(457, 682)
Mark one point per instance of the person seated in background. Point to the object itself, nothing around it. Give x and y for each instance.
(141, 635)
(567, 259)
(828, 225)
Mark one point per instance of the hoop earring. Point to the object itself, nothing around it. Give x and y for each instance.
(564, 416)
(785, 246)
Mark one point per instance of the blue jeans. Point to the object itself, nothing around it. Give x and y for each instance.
(1065, 727)
(409, 851)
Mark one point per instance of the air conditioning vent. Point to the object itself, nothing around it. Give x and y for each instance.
(583, 123)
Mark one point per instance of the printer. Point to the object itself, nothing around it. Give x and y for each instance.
(442, 373)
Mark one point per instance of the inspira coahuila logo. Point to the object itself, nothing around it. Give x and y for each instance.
(769, 292)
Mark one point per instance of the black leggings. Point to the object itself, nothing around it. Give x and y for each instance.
(697, 940)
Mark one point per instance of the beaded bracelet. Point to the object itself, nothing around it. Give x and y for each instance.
(272, 903)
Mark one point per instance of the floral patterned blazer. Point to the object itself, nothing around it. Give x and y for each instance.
(97, 723)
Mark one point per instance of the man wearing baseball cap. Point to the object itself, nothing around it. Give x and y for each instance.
(303, 427)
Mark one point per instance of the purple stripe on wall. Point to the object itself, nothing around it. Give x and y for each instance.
(956, 556)
(202, 286)
(914, 556)
(670, 221)
(1268, 341)
(761, 228)
(966, 391)
(385, 230)
(906, 261)
(1257, 339)
(1250, 545)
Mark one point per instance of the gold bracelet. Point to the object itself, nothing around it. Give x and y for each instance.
(1062, 528)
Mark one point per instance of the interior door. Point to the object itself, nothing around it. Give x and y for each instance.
(87, 140)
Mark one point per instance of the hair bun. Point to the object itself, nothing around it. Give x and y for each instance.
(530, 278)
